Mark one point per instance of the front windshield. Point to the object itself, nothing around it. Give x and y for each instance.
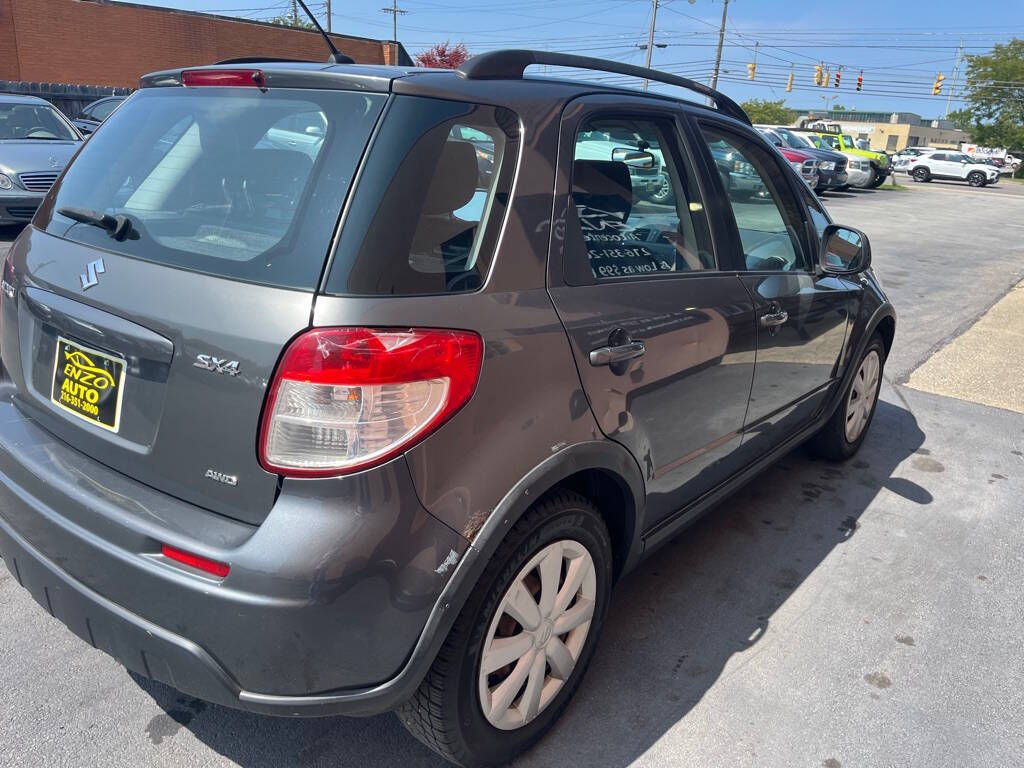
(795, 140)
(33, 121)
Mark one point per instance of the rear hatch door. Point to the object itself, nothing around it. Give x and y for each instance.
(165, 275)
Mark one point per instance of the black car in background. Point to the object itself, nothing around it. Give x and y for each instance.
(90, 118)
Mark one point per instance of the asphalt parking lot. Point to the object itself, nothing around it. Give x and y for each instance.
(864, 614)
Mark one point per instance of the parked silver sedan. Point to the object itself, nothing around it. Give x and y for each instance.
(36, 142)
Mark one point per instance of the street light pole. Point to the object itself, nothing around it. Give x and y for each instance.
(328, 15)
(721, 40)
(650, 36)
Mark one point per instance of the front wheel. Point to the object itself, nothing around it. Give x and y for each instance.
(842, 435)
(522, 642)
(976, 179)
(877, 181)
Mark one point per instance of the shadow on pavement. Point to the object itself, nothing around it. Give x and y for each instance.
(673, 625)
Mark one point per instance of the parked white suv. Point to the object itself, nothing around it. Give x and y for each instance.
(943, 164)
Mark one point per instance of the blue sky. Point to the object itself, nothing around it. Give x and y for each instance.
(898, 45)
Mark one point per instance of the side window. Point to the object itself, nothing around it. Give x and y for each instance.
(767, 214)
(444, 172)
(102, 110)
(938, 156)
(818, 217)
(831, 141)
(637, 209)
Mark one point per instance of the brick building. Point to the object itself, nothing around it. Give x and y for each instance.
(110, 44)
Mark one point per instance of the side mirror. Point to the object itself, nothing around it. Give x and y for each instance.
(844, 251)
(634, 158)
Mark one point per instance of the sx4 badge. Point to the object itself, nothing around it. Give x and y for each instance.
(217, 365)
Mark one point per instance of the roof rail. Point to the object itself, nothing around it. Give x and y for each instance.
(510, 65)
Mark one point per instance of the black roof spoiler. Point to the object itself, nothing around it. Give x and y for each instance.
(510, 65)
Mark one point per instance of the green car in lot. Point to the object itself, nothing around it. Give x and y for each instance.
(843, 142)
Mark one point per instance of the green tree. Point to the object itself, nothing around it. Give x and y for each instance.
(765, 111)
(838, 108)
(994, 96)
(298, 21)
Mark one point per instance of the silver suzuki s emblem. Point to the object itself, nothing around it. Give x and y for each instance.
(220, 477)
(217, 365)
(54, 162)
(90, 277)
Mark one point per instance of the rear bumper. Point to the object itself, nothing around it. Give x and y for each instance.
(320, 614)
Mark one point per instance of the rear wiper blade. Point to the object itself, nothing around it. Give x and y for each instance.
(119, 227)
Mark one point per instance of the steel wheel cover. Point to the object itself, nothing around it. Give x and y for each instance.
(862, 395)
(537, 634)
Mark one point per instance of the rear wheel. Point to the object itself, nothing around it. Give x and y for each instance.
(518, 650)
(842, 435)
(921, 174)
(976, 179)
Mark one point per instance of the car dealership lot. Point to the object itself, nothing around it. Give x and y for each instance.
(859, 615)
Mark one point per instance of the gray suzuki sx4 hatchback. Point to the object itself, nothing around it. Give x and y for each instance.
(339, 389)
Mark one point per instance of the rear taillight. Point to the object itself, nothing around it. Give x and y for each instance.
(344, 399)
(223, 77)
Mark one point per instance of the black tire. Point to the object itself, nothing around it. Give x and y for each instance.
(922, 174)
(446, 713)
(878, 181)
(831, 440)
(976, 179)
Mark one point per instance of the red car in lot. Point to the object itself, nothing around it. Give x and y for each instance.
(803, 163)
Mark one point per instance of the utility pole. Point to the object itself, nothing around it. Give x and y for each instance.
(394, 10)
(295, 14)
(956, 74)
(721, 40)
(650, 36)
(328, 15)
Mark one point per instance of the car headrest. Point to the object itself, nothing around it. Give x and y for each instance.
(455, 178)
(280, 166)
(604, 185)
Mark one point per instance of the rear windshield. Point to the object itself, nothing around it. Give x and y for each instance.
(234, 182)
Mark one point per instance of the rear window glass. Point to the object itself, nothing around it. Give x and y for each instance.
(234, 182)
(431, 201)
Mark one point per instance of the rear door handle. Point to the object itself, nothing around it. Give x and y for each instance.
(617, 354)
(773, 319)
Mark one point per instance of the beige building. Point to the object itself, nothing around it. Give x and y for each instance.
(892, 131)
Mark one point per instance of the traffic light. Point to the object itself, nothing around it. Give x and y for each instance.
(825, 81)
(860, 80)
(751, 71)
(937, 87)
(789, 83)
(838, 75)
(817, 74)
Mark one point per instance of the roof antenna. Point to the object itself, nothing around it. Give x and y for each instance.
(336, 56)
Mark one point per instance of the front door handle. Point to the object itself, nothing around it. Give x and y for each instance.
(774, 319)
(617, 354)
